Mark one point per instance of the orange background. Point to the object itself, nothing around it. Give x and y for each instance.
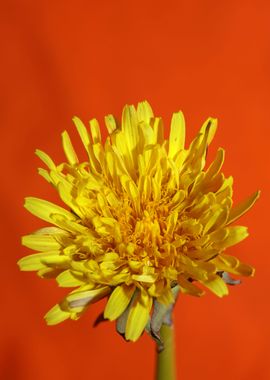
(89, 58)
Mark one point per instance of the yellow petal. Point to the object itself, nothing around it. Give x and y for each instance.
(166, 297)
(118, 301)
(235, 235)
(243, 207)
(158, 129)
(110, 123)
(218, 236)
(217, 286)
(212, 123)
(46, 159)
(44, 173)
(177, 200)
(216, 165)
(192, 268)
(56, 315)
(40, 242)
(177, 134)
(65, 191)
(147, 136)
(44, 209)
(138, 316)
(144, 187)
(156, 288)
(148, 278)
(129, 127)
(95, 131)
(122, 320)
(80, 299)
(54, 231)
(84, 135)
(68, 225)
(189, 287)
(68, 149)
(70, 278)
(144, 112)
(232, 265)
(171, 222)
(219, 215)
(35, 261)
(49, 272)
(58, 261)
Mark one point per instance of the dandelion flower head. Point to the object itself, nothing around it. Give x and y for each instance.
(142, 216)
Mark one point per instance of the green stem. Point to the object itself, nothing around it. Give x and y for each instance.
(165, 366)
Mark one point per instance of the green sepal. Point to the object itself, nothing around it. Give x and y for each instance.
(162, 314)
(121, 321)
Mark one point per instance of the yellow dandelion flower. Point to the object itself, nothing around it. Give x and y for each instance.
(144, 217)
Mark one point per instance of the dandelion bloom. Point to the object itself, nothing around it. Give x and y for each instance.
(143, 216)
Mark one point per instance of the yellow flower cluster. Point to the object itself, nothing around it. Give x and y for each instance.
(143, 216)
